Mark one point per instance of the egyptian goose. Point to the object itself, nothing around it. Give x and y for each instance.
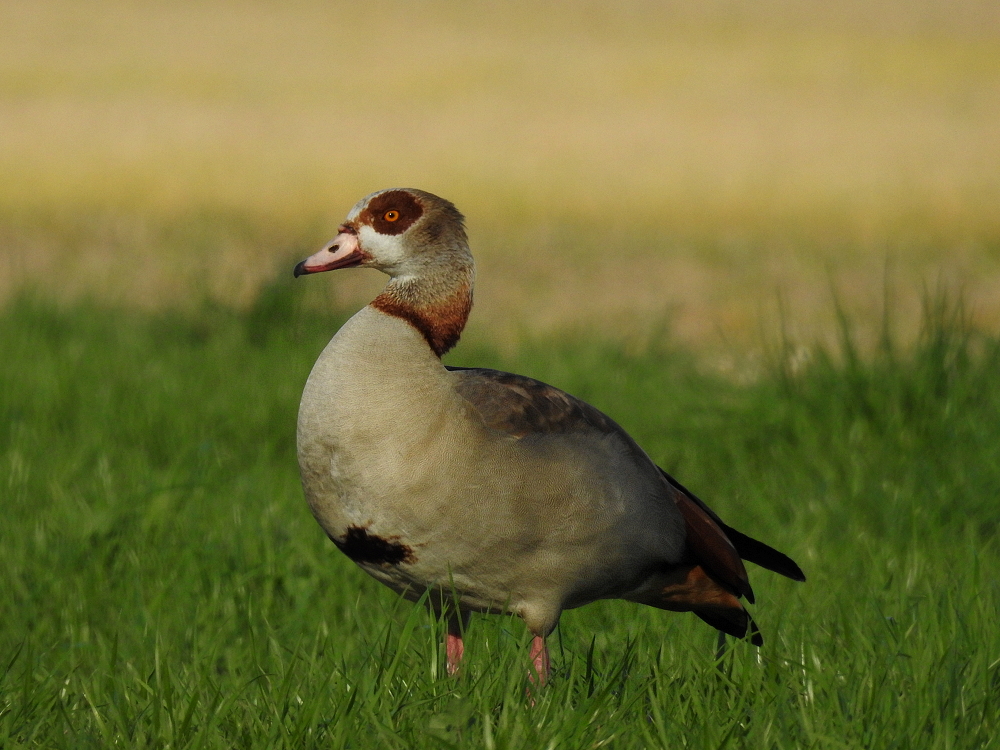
(491, 492)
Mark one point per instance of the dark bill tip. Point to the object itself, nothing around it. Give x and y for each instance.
(300, 269)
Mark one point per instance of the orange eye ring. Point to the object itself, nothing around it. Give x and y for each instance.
(391, 215)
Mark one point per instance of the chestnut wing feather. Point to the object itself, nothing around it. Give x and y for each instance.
(748, 548)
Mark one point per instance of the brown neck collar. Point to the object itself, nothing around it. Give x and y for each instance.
(439, 319)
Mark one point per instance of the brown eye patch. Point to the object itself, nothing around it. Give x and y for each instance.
(392, 213)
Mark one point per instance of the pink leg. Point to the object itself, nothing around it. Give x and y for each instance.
(453, 647)
(539, 661)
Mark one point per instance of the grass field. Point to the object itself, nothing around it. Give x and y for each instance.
(734, 227)
(165, 585)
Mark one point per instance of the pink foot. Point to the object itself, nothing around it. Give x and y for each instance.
(454, 649)
(539, 661)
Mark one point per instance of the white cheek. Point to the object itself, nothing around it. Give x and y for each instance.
(386, 249)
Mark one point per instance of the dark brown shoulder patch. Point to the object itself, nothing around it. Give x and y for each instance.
(392, 212)
(519, 405)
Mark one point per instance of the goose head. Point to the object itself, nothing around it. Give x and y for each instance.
(419, 240)
(403, 232)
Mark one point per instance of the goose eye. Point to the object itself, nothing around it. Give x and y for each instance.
(391, 215)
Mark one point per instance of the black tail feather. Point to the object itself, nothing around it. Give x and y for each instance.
(748, 548)
(763, 555)
(732, 622)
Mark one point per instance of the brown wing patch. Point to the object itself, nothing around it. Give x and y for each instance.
(747, 547)
(392, 212)
(520, 406)
(709, 545)
(690, 588)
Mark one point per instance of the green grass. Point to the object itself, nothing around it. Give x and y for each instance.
(161, 580)
(162, 583)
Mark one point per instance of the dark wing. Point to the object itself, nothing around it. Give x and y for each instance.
(748, 548)
(520, 406)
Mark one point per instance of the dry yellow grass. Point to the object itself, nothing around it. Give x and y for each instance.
(617, 163)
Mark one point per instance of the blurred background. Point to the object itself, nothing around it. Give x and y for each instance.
(716, 165)
(673, 206)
